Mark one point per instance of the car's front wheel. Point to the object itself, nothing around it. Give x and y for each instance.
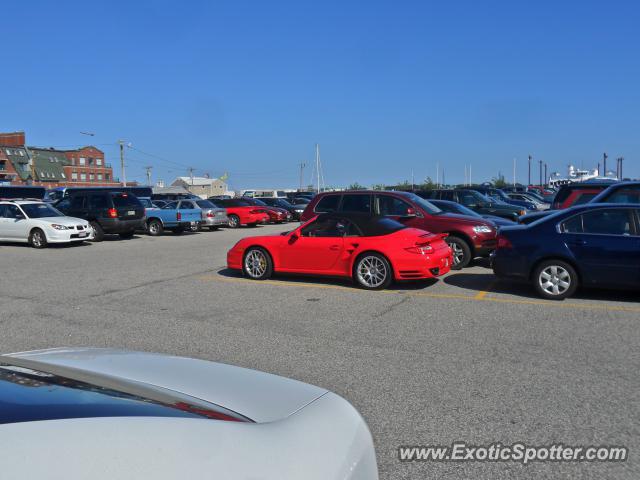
(461, 252)
(373, 271)
(257, 264)
(555, 280)
(37, 238)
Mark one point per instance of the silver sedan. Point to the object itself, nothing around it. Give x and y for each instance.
(123, 414)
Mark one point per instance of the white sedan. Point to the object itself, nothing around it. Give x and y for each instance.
(88, 413)
(38, 223)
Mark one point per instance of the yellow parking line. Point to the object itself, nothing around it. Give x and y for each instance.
(481, 296)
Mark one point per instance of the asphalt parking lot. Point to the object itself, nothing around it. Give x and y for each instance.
(461, 358)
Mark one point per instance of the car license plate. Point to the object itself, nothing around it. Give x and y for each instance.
(193, 224)
(131, 212)
(82, 234)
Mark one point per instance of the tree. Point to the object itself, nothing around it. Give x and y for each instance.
(499, 182)
(428, 184)
(356, 186)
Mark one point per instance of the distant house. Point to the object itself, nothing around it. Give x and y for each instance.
(202, 186)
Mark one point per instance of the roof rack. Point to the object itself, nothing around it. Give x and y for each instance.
(22, 200)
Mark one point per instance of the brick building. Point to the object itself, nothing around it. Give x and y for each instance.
(8, 174)
(50, 167)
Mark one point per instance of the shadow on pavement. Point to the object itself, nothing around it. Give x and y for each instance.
(336, 281)
(480, 282)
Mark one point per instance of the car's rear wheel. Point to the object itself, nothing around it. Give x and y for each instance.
(98, 232)
(234, 221)
(257, 264)
(373, 271)
(37, 238)
(461, 252)
(555, 280)
(154, 227)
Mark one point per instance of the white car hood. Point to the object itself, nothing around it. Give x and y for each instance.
(262, 397)
(66, 221)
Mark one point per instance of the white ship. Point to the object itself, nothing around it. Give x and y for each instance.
(578, 175)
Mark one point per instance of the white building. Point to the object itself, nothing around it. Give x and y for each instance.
(202, 186)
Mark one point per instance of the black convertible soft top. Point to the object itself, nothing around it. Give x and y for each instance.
(369, 225)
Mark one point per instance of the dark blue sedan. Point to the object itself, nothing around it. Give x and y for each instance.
(592, 245)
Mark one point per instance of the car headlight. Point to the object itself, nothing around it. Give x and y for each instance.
(58, 227)
(299, 210)
(482, 229)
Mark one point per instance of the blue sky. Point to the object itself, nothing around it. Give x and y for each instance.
(385, 87)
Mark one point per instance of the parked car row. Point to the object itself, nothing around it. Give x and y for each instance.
(376, 237)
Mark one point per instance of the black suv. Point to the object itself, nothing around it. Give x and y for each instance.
(476, 202)
(107, 211)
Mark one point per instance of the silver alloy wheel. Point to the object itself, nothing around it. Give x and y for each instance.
(255, 263)
(554, 280)
(458, 253)
(36, 239)
(372, 271)
(154, 228)
(234, 221)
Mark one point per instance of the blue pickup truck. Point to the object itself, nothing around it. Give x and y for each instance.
(177, 220)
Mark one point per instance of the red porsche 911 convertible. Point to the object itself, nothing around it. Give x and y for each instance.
(371, 250)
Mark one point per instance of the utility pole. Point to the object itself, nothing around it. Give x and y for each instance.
(619, 167)
(540, 173)
(604, 158)
(545, 173)
(302, 165)
(443, 182)
(148, 169)
(529, 178)
(190, 170)
(122, 170)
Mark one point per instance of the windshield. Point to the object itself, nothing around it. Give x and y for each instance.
(205, 204)
(40, 210)
(426, 205)
(146, 203)
(125, 200)
(258, 202)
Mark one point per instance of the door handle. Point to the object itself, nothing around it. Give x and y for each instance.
(578, 243)
(334, 247)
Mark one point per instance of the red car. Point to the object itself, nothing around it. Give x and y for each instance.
(469, 237)
(241, 212)
(276, 214)
(372, 250)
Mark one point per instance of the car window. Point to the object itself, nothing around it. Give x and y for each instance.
(11, 211)
(583, 198)
(329, 227)
(77, 201)
(356, 203)
(391, 206)
(125, 200)
(468, 198)
(40, 210)
(205, 204)
(328, 204)
(98, 202)
(602, 222)
(64, 204)
(626, 195)
(186, 205)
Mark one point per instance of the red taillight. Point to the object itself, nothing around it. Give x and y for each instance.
(112, 213)
(210, 215)
(504, 242)
(178, 216)
(420, 249)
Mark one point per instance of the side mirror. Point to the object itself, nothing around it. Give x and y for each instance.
(293, 238)
(19, 216)
(410, 212)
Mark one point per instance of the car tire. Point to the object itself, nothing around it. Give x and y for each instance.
(257, 264)
(234, 221)
(125, 235)
(555, 280)
(154, 227)
(461, 252)
(98, 232)
(372, 271)
(37, 238)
